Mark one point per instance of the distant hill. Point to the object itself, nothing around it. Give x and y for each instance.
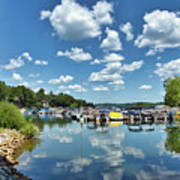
(129, 105)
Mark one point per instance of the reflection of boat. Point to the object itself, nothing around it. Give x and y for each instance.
(115, 116)
(147, 128)
(135, 128)
(115, 123)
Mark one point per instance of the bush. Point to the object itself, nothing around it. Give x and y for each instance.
(29, 131)
(10, 116)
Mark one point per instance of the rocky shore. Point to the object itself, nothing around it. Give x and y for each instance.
(10, 141)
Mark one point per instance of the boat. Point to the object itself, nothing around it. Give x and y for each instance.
(115, 116)
(115, 123)
(177, 115)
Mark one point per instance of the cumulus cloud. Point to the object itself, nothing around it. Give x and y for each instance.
(102, 12)
(41, 62)
(96, 61)
(17, 62)
(160, 31)
(100, 88)
(45, 14)
(75, 87)
(111, 57)
(61, 79)
(17, 77)
(112, 41)
(34, 75)
(39, 81)
(27, 56)
(128, 30)
(118, 82)
(76, 54)
(113, 71)
(169, 69)
(145, 87)
(73, 21)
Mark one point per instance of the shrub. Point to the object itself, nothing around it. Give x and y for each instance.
(29, 131)
(10, 116)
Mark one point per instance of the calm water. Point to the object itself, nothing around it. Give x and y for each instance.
(73, 151)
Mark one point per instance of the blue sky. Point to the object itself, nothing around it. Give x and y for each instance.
(101, 51)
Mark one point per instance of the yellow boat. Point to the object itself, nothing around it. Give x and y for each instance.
(115, 123)
(115, 116)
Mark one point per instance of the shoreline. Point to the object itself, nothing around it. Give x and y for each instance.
(10, 141)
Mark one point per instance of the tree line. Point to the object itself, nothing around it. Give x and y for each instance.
(26, 97)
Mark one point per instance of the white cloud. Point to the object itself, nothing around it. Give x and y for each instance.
(102, 12)
(76, 54)
(118, 82)
(34, 75)
(27, 56)
(100, 88)
(67, 92)
(39, 82)
(45, 14)
(111, 57)
(112, 41)
(26, 84)
(77, 88)
(104, 77)
(128, 30)
(41, 62)
(75, 22)
(151, 52)
(18, 62)
(62, 87)
(96, 61)
(61, 79)
(14, 63)
(113, 71)
(169, 69)
(145, 87)
(17, 77)
(160, 31)
(132, 67)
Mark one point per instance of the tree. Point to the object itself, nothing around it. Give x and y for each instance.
(41, 96)
(172, 88)
(3, 91)
(10, 116)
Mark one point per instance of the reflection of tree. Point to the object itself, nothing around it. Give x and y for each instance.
(173, 140)
(28, 145)
(40, 123)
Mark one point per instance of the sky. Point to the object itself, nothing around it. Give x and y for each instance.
(114, 51)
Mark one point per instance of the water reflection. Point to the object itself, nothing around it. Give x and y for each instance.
(100, 151)
(173, 140)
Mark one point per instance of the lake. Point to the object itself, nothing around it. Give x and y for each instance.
(75, 151)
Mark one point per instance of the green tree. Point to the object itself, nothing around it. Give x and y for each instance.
(172, 88)
(3, 91)
(10, 116)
